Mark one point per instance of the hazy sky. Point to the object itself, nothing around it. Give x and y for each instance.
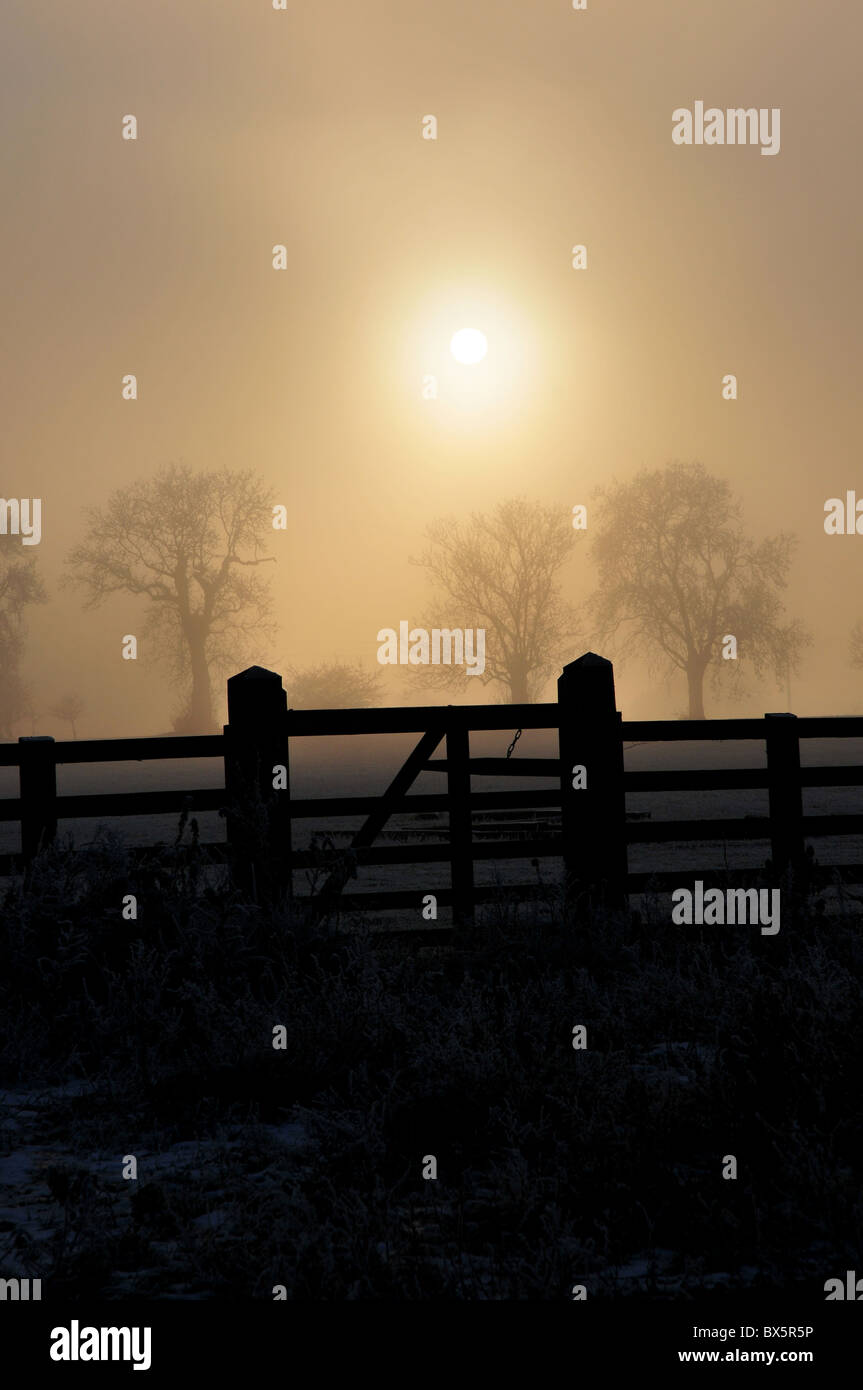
(303, 127)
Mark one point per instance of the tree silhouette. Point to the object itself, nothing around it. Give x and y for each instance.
(186, 542)
(499, 571)
(677, 574)
(69, 709)
(20, 586)
(336, 685)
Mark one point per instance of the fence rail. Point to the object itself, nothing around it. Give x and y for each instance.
(594, 832)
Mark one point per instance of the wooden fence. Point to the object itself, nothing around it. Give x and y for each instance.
(594, 833)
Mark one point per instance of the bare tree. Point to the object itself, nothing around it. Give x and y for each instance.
(69, 709)
(337, 685)
(499, 571)
(186, 542)
(677, 575)
(20, 587)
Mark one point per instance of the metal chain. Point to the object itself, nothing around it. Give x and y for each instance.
(514, 742)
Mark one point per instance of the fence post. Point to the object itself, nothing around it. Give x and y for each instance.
(37, 788)
(593, 817)
(460, 831)
(258, 813)
(785, 794)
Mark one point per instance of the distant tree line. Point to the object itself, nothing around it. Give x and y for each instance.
(677, 575)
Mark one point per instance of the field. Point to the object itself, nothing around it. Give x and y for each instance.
(303, 1166)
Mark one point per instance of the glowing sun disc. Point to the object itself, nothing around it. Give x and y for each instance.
(468, 346)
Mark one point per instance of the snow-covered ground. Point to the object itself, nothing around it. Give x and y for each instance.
(50, 1190)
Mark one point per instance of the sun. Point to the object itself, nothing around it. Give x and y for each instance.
(468, 346)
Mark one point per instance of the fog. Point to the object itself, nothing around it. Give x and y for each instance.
(303, 128)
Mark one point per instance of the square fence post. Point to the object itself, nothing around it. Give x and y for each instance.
(593, 816)
(257, 782)
(785, 793)
(37, 782)
(460, 830)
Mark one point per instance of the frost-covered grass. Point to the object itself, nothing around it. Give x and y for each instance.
(555, 1166)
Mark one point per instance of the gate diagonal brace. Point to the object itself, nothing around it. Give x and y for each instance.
(374, 824)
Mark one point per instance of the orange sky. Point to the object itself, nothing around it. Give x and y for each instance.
(259, 127)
